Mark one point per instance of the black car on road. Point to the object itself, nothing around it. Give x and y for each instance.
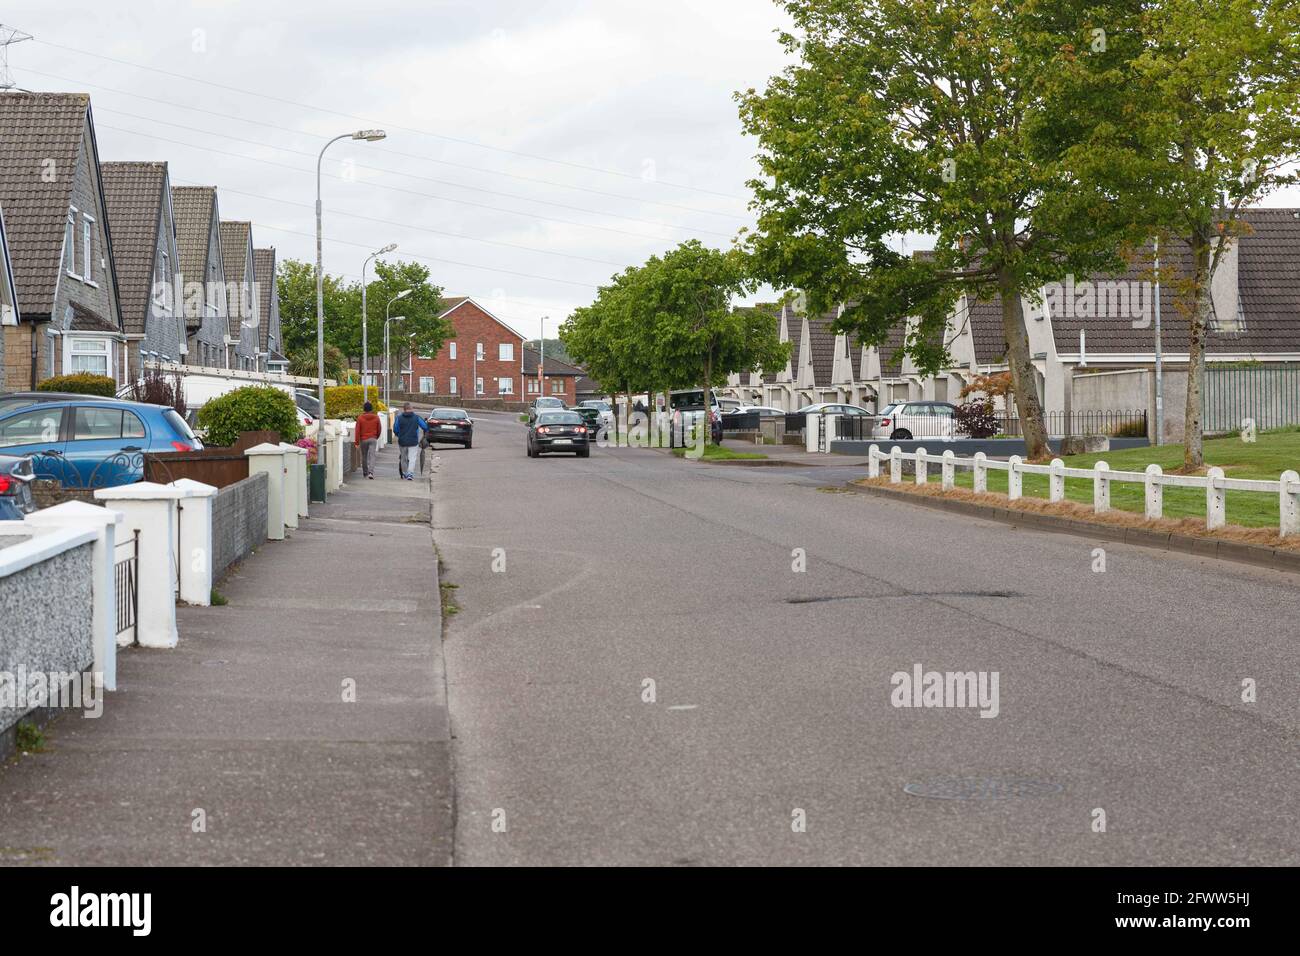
(449, 426)
(558, 431)
(592, 416)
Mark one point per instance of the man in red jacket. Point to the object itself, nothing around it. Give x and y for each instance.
(366, 437)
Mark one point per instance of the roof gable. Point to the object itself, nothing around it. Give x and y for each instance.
(264, 277)
(134, 194)
(460, 300)
(42, 136)
(193, 206)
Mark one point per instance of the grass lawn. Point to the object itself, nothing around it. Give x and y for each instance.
(719, 453)
(1274, 452)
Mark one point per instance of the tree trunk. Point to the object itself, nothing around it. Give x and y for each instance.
(1193, 426)
(1024, 377)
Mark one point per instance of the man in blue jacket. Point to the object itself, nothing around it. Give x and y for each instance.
(408, 426)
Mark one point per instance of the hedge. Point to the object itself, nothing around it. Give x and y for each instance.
(344, 401)
(252, 408)
(82, 383)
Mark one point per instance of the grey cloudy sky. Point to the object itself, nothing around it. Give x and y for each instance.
(606, 130)
(612, 130)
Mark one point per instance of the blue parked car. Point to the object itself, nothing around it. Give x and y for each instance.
(92, 442)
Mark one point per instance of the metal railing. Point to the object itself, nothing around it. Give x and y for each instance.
(126, 585)
(1268, 395)
(1215, 485)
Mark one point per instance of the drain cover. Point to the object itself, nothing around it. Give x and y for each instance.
(981, 788)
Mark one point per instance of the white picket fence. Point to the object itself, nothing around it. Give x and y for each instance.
(1215, 485)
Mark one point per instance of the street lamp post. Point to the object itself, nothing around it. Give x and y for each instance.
(369, 136)
(365, 319)
(395, 318)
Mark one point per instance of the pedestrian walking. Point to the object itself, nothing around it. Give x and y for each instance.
(366, 437)
(408, 426)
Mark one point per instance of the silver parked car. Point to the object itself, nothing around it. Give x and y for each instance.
(907, 420)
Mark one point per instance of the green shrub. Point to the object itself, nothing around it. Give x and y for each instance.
(253, 408)
(83, 383)
(344, 401)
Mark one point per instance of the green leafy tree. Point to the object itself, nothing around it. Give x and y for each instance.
(900, 117)
(670, 324)
(303, 362)
(296, 282)
(1210, 124)
(421, 328)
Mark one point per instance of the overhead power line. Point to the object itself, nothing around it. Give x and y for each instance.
(375, 185)
(397, 172)
(384, 149)
(371, 121)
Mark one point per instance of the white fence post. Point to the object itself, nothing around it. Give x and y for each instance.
(1014, 477)
(921, 476)
(873, 462)
(150, 508)
(980, 473)
(1215, 505)
(1100, 488)
(1289, 503)
(1155, 493)
(832, 426)
(194, 567)
(812, 432)
(269, 458)
(895, 465)
(948, 469)
(1056, 481)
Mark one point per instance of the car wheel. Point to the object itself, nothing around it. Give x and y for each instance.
(469, 445)
(585, 453)
(901, 434)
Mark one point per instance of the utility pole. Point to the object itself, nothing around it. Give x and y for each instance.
(1160, 378)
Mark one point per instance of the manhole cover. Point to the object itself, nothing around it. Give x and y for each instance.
(981, 788)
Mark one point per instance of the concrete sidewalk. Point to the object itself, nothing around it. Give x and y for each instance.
(246, 719)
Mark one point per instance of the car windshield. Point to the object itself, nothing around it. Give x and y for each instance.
(449, 413)
(549, 403)
(888, 410)
(559, 418)
(599, 406)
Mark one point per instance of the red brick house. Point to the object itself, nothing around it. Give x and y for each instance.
(483, 358)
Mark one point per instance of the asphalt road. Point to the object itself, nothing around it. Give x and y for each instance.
(1118, 691)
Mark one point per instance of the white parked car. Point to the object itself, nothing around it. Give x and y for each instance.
(907, 420)
(764, 411)
(830, 408)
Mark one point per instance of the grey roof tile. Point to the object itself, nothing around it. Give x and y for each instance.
(134, 193)
(192, 208)
(40, 134)
(264, 275)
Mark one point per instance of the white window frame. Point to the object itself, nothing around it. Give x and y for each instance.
(432, 384)
(478, 386)
(557, 382)
(452, 347)
(70, 241)
(451, 384)
(505, 386)
(87, 246)
(505, 351)
(103, 350)
(478, 351)
(533, 387)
